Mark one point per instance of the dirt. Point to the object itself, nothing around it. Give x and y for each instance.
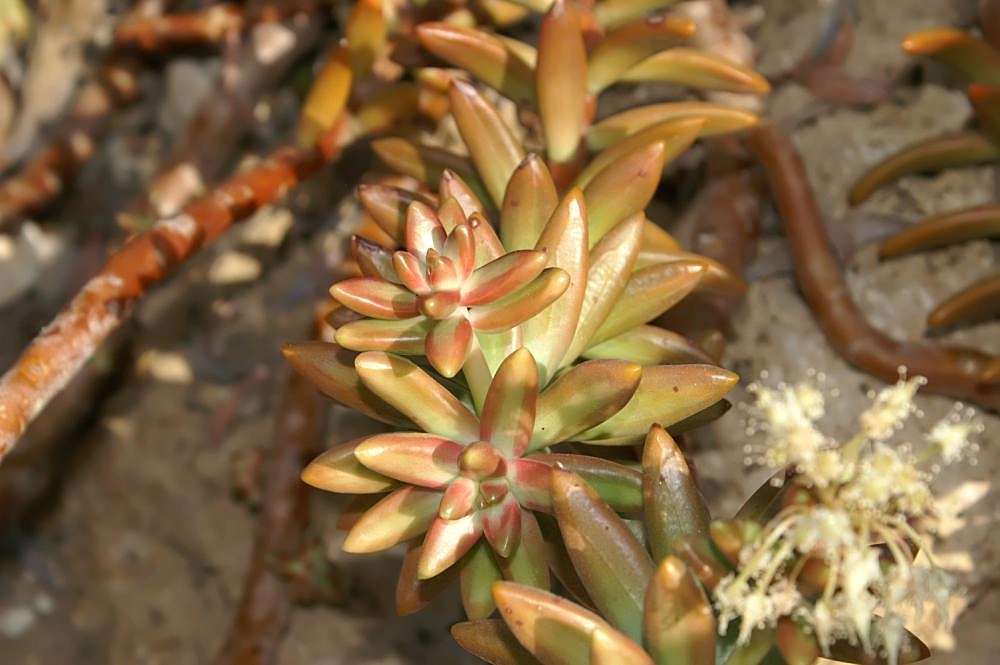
(139, 555)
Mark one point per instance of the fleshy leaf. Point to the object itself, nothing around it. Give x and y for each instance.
(666, 394)
(560, 81)
(975, 303)
(583, 397)
(411, 390)
(403, 336)
(528, 203)
(967, 54)
(425, 163)
(338, 470)
(375, 298)
(678, 625)
(698, 69)
(502, 526)
(452, 186)
(527, 564)
(494, 150)
(449, 344)
(522, 305)
(446, 542)
(327, 98)
(674, 503)
(415, 458)
(478, 573)
(623, 188)
(402, 515)
(650, 345)
(617, 484)
(387, 205)
(412, 593)
(508, 417)
(622, 49)
(366, 33)
(492, 641)
(502, 276)
(719, 119)
(797, 645)
(615, 13)
(609, 647)
(911, 649)
(945, 229)
(961, 149)
(613, 564)
(530, 482)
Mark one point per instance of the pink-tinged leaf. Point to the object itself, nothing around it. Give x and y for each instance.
(493, 148)
(529, 482)
(411, 272)
(404, 514)
(451, 214)
(945, 229)
(373, 259)
(460, 499)
(411, 390)
(626, 47)
(649, 345)
(674, 503)
(425, 163)
(527, 564)
(678, 623)
(330, 368)
(522, 305)
(623, 188)
(502, 526)
(719, 119)
(415, 458)
(490, 640)
(609, 647)
(442, 275)
(448, 345)
(375, 298)
(460, 249)
(452, 186)
(553, 629)
(612, 563)
(941, 152)
(667, 394)
(446, 542)
(698, 69)
(403, 336)
(648, 293)
(620, 486)
(479, 571)
(560, 81)
(494, 490)
(387, 205)
(565, 241)
(424, 230)
(482, 55)
(528, 203)
(440, 305)
(583, 397)
(338, 470)
(967, 54)
(508, 417)
(978, 302)
(412, 593)
(503, 276)
(488, 245)
(676, 136)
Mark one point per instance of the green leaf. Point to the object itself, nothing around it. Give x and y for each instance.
(623, 188)
(478, 573)
(698, 69)
(719, 119)
(617, 484)
(678, 625)
(674, 503)
(528, 203)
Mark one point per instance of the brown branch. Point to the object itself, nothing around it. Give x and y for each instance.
(955, 371)
(209, 26)
(266, 603)
(106, 301)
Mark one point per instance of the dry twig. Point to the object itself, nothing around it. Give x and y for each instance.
(956, 371)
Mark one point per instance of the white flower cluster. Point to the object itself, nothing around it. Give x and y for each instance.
(845, 554)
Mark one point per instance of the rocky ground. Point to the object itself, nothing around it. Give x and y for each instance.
(138, 556)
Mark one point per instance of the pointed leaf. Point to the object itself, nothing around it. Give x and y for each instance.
(331, 369)
(449, 344)
(968, 55)
(666, 394)
(648, 293)
(425, 163)
(402, 515)
(366, 33)
(674, 503)
(622, 49)
(491, 641)
(452, 186)
(765, 501)
(327, 98)
(702, 560)
(617, 484)
(387, 206)
(446, 542)
(676, 136)
(404, 336)
(411, 390)
(483, 56)
(478, 573)
(583, 397)
(698, 69)
(615, 13)
(650, 345)
(719, 119)
(503, 276)
(493, 148)
(707, 415)
(609, 647)
(528, 202)
(522, 305)
(527, 564)
(529, 482)
(564, 240)
(415, 458)
(717, 279)
(611, 262)
(459, 499)
(373, 259)
(678, 624)
(623, 188)
(376, 298)
(339, 470)
(612, 563)
(560, 81)
(961, 149)
(945, 229)
(502, 526)
(412, 593)
(508, 417)
(355, 509)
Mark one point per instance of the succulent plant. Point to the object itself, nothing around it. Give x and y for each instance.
(976, 60)
(818, 561)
